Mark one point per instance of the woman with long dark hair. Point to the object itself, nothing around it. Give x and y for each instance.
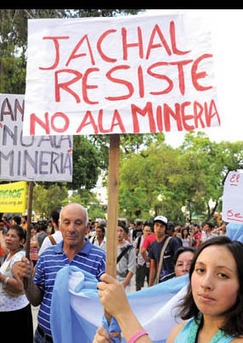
(212, 310)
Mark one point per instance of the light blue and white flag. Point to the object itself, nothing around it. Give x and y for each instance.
(76, 311)
(235, 232)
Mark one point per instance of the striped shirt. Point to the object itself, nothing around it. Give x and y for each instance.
(90, 259)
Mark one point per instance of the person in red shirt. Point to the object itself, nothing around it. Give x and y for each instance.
(197, 236)
(145, 247)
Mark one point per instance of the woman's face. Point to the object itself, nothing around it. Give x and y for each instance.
(12, 240)
(120, 234)
(215, 281)
(183, 263)
(184, 232)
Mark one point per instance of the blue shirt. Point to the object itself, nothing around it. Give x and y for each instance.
(189, 334)
(90, 259)
(155, 249)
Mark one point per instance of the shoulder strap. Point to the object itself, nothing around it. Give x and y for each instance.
(53, 242)
(161, 260)
(123, 253)
(93, 239)
(139, 242)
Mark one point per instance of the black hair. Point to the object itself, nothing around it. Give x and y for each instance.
(42, 225)
(209, 224)
(55, 216)
(234, 316)
(180, 251)
(102, 228)
(170, 226)
(17, 220)
(122, 224)
(20, 231)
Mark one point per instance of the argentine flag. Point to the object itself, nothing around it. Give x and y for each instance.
(76, 311)
(235, 232)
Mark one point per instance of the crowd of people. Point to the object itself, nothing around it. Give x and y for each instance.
(152, 252)
(139, 247)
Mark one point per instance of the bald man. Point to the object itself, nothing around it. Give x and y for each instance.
(75, 250)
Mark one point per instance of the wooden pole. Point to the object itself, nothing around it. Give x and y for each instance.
(29, 214)
(112, 210)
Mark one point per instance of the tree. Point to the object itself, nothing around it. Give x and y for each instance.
(86, 164)
(208, 163)
(88, 158)
(88, 200)
(164, 180)
(47, 199)
(145, 181)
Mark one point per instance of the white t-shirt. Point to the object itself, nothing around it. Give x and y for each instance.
(94, 240)
(7, 302)
(47, 242)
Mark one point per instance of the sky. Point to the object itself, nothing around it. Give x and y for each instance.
(226, 28)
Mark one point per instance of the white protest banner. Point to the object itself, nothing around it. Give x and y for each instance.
(134, 74)
(233, 198)
(37, 158)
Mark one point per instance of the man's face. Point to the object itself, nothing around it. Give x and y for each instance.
(120, 234)
(159, 229)
(99, 233)
(147, 231)
(206, 228)
(73, 225)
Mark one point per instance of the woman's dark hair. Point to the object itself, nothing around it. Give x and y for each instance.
(17, 220)
(102, 228)
(42, 225)
(122, 224)
(20, 231)
(55, 216)
(234, 316)
(180, 251)
(187, 231)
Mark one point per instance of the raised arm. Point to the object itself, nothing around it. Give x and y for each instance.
(24, 270)
(115, 302)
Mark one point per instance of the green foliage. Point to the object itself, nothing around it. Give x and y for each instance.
(161, 179)
(47, 199)
(88, 200)
(89, 154)
(154, 177)
(86, 163)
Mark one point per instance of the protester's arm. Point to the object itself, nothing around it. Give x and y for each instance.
(131, 267)
(14, 283)
(2, 243)
(152, 272)
(113, 298)
(144, 249)
(127, 279)
(25, 271)
(144, 254)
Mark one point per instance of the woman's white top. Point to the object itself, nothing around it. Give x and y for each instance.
(8, 302)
